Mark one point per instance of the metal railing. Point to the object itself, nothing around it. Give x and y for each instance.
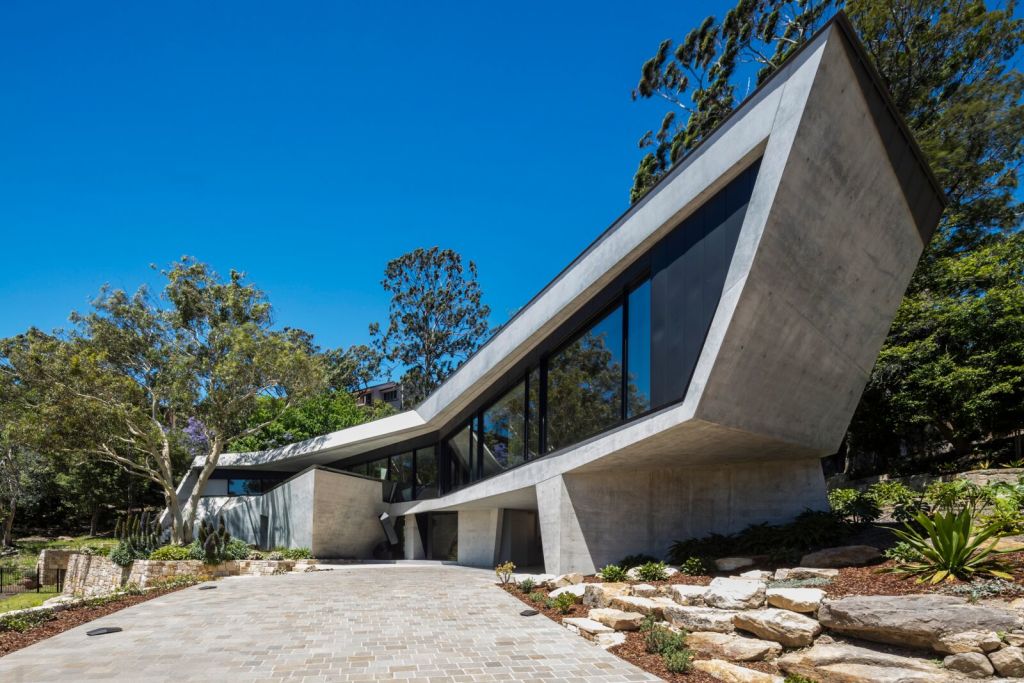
(14, 581)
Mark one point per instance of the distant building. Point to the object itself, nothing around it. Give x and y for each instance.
(683, 376)
(388, 392)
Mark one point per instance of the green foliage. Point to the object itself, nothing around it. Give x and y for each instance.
(296, 553)
(678, 661)
(671, 645)
(652, 571)
(275, 555)
(504, 572)
(781, 542)
(950, 548)
(812, 582)
(138, 536)
(436, 318)
(122, 555)
(25, 621)
(213, 544)
(902, 552)
(526, 586)
(171, 552)
(563, 602)
(853, 506)
(256, 555)
(693, 566)
(613, 573)
(630, 561)
(981, 589)
(178, 581)
(537, 596)
(797, 678)
(904, 502)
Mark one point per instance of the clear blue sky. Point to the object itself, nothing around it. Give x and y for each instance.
(308, 143)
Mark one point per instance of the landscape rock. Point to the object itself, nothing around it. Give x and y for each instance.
(645, 590)
(971, 664)
(607, 640)
(1008, 662)
(540, 580)
(843, 663)
(601, 594)
(617, 619)
(912, 620)
(806, 573)
(732, 647)
(695, 619)
(1014, 639)
(968, 641)
(588, 628)
(576, 591)
(735, 594)
(843, 556)
(570, 579)
(795, 599)
(728, 564)
(734, 673)
(755, 574)
(688, 595)
(782, 626)
(671, 571)
(654, 607)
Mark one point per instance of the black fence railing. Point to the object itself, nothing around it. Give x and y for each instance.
(14, 581)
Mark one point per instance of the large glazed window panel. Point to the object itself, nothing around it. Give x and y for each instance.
(504, 427)
(533, 414)
(426, 473)
(401, 475)
(638, 343)
(461, 458)
(584, 393)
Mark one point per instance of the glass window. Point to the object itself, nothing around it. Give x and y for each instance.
(533, 413)
(378, 469)
(638, 362)
(585, 384)
(426, 473)
(461, 461)
(504, 438)
(245, 487)
(401, 475)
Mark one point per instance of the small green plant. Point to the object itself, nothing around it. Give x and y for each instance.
(26, 621)
(901, 499)
(122, 555)
(536, 596)
(526, 586)
(171, 552)
(132, 588)
(275, 555)
(255, 555)
(1016, 463)
(652, 571)
(812, 582)
(296, 553)
(678, 661)
(853, 506)
(694, 566)
(797, 678)
(630, 561)
(950, 548)
(563, 602)
(179, 581)
(902, 551)
(980, 589)
(213, 542)
(504, 572)
(613, 573)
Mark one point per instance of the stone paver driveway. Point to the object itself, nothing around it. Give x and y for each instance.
(369, 623)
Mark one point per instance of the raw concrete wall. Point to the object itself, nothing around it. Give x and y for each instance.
(346, 510)
(589, 520)
(479, 537)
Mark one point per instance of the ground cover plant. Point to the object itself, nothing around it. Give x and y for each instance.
(948, 546)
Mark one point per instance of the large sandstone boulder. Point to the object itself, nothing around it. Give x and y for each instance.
(912, 620)
(645, 590)
(688, 595)
(795, 599)
(782, 626)
(1008, 662)
(728, 564)
(843, 556)
(842, 663)
(588, 628)
(654, 607)
(734, 673)
(971, 664)
(601, 594)
(617, 619)
(570, 579)
(735, 594)
(968, 641)
(783, 574)
(732, 647)
(700, 618)
(576, 591)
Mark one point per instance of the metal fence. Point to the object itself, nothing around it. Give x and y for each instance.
(14, 581)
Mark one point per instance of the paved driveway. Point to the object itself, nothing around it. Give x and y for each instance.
(369, 623)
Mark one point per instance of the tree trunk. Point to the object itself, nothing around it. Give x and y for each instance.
(94, 519)
(9, 525)
(192, 505)
(178, 536)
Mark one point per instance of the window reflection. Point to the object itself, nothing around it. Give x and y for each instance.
(585, 384)
(426, 473)
(504, 426)
(461, 461)
(638, 362)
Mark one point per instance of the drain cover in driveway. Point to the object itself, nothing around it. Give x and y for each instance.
(529, 613)
(206, 588)
(101, 631)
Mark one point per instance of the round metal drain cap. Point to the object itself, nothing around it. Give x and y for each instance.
(101, 631)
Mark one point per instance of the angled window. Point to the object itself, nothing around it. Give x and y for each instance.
(638, 345)
(504, 432)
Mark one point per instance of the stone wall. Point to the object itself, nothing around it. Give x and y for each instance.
(90, 575)
(51, 559)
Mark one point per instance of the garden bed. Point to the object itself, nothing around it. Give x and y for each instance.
(66, 619)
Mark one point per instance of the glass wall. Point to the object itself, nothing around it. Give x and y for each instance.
(584, 389)
(638, 344)
(504, 432)
(426, 473)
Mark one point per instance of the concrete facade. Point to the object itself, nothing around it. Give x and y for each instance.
(840, 210)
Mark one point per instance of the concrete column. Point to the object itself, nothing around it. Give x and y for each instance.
(479, 537)
(414, 549)
(593, 519)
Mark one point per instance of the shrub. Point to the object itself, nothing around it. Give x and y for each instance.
(179, 581)
(660, 640)
(236, 549)
(613, 573)
(901, 552)
(678, 661)
(950, 548)
(527, 585)
(139, 536)
(504, 572)
(536, 596)
(213, 542)
(904, 502)
(171, 552)
(956, 495)
(255, 555)
(630, 561)
(297, 553)
(652, 571)
(563, 602)
(694, 566)
(853, 506)
(132, 588)
(25, 621)
(123, 555)
(275, 555)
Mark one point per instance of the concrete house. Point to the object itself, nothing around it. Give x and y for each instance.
(683, 375)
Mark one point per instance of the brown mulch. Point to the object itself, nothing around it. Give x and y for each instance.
(70, 618)
(877, 580)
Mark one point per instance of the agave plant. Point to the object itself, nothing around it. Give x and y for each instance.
(949, 547)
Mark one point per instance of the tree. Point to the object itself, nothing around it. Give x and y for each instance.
(949, 67)
(124, 383)
(436, 318)
(356, 368)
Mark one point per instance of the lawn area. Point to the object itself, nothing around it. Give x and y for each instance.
(23, 601)
(30, 547)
